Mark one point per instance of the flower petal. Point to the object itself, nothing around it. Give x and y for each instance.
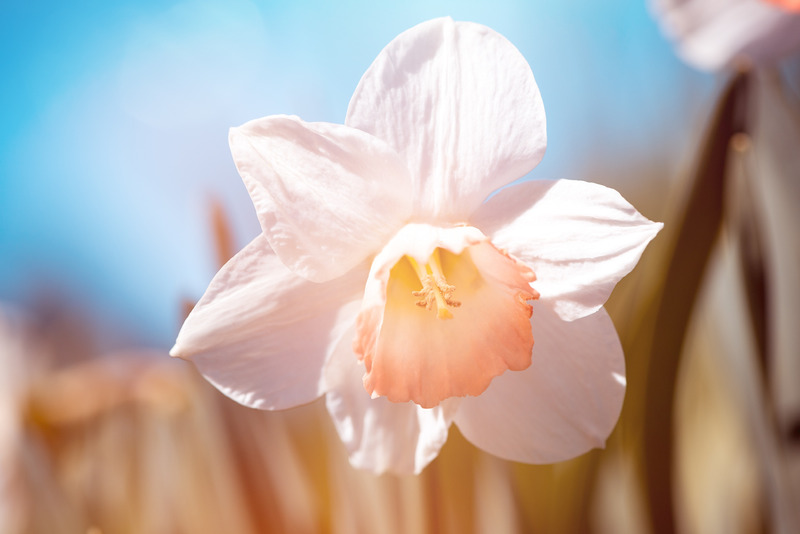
(460, 104)
(326, 195)
(381, 435)
(564, 404)
(579, 238)
(262, 334)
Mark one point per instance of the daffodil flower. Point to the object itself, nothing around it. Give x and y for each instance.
(386, 281)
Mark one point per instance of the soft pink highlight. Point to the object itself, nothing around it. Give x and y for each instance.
(788, 5)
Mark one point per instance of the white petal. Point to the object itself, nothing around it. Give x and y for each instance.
(326, 195)
(579, 238)
(714, 34)
(564, 404)
(381, 435)
(262, 334)
(460, 104)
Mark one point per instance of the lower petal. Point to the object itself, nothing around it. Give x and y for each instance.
(566, 403)
(261, 334)
(381, 435)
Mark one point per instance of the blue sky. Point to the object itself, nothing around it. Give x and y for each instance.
(114, 120)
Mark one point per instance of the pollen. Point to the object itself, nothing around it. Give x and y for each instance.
(436, 293)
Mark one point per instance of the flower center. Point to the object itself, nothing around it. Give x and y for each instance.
(410, 355)
(435, 292)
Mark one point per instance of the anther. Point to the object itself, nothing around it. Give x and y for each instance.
(435, 289)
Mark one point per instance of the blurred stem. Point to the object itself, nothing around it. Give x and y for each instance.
(224, 246)
(697, 230)
(751, 251)
(224, 243)
(557, 497)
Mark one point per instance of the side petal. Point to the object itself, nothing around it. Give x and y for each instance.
(566, 403)
(578, 237)
(326, 195)
(460, 104)
(261, 334)
(380, 435)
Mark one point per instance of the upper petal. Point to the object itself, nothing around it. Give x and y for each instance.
(567, 402)
(326, 195)
(262, 334)
(380, 435)
(578, 237)
(460, 104)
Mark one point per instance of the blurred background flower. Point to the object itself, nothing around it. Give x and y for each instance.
(113, 147)
(716, 34)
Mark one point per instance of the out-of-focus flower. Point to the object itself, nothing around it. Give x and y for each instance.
(386, 281)
(716, 34)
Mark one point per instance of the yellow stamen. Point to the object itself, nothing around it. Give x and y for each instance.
(435, 289)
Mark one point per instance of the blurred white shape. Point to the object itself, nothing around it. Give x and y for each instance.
(720, 429)
(618, 504)
(197, 61)
(494, 490)
(716, 34)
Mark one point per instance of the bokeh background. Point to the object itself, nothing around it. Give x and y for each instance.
(115, 120)
(118, 196)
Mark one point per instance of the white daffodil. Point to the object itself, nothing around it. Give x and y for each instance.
(386, 281)
(716, 34)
